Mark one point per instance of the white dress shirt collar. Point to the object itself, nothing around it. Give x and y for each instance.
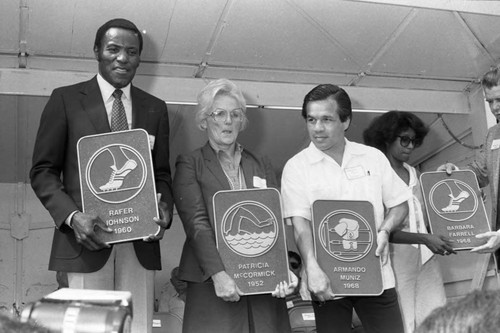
(107, 89)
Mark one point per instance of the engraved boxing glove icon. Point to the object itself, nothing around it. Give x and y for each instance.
(348, 229)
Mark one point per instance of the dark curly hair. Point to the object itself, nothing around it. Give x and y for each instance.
(384, 129)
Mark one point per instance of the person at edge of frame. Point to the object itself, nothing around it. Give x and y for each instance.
(486, 166)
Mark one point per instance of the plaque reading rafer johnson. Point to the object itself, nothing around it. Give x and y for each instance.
(117, 183)
(250, 238)
(345, 242)
(454, 207)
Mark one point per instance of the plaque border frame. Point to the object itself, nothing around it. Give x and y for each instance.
(480, 203)
(282, 222)
(373, 247)
(151, 171)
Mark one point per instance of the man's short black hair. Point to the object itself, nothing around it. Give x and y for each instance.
(326, 91)
(116, 23)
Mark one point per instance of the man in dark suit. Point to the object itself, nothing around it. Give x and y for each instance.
(88, 108)
(486, 166)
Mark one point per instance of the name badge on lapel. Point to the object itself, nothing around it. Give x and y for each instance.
(495, 144)
(152, 141)
(355, 172)
(259, 182)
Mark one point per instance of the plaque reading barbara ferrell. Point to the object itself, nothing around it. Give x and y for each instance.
(250, 238)
(454, 207)
(345, 238)
(117, 183)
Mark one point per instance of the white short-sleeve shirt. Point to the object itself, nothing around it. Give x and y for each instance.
(365, 174)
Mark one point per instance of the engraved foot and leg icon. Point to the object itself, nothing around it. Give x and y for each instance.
(455, 201)
(118, 175)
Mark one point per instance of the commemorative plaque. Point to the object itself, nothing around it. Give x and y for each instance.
(345, 240)
(250, 238)
(117, 183)
(454, 207)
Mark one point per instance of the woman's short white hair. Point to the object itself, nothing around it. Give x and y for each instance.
(220, 87)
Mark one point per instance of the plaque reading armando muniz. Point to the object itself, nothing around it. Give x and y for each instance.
(345, 237)
(454, 207)
(117, 183)
(250, 238)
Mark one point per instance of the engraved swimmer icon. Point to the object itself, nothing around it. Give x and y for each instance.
(249, 229)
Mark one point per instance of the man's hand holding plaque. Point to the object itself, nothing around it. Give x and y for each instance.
(84, 226)
(382, 250)
(318, 283)
(163, 221)
(492, 242)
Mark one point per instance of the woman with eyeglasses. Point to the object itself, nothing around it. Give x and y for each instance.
(418, 278)
(214, 302)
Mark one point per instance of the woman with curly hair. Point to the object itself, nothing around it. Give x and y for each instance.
(418, 278)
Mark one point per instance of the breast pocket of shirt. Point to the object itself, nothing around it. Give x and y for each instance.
(366, 186)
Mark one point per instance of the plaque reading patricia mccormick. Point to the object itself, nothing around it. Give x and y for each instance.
(454, 207)
(117, 183)
(250, 238)
(345, 240)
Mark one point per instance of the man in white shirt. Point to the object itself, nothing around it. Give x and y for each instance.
(334, 168)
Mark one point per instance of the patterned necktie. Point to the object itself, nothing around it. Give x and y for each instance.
(118, 117)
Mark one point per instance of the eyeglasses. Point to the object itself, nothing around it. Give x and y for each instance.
(220, 115)
(406, 140)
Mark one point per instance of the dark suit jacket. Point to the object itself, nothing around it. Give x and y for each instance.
(71, 113)
(198, 177)
(487, 167)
